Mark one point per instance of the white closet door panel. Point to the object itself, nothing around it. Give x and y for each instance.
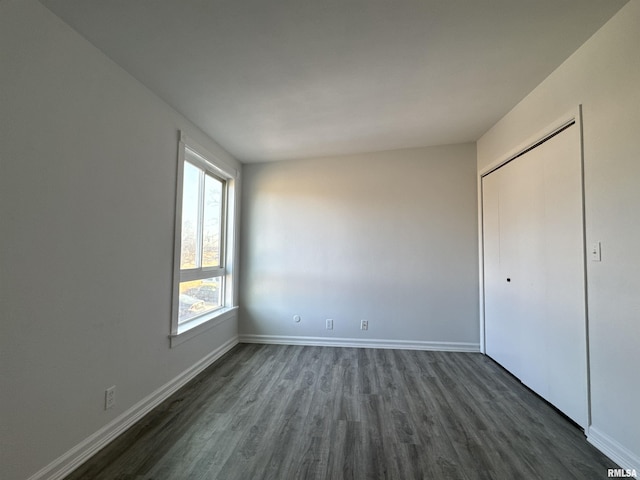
(500, 327)
(524, 215)
(565, 315)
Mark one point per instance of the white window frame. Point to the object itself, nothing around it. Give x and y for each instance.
(200, 157)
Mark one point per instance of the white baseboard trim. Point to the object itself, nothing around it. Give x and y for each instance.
(79, 454)
(614, 450)
(361, 343)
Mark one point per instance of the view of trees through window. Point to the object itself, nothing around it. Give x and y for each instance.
(201, 219)
(201, 241)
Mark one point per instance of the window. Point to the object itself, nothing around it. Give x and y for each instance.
(204, 225)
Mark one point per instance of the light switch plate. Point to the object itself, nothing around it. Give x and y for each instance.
(596, 252)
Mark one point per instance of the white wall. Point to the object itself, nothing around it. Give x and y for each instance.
(389, 237)
(603, 76)
(87, 188)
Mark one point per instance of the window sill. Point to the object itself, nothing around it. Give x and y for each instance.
(202, 324)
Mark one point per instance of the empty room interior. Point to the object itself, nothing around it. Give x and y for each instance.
(319, 239)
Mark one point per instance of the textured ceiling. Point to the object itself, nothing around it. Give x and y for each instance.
(282, 79)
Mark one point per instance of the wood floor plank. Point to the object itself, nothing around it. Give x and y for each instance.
(294, 412)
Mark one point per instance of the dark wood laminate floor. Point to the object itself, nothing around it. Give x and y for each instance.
(291, 412)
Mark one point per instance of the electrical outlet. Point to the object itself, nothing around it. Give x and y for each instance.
(364, 324)
(329, 324)
(109, 397)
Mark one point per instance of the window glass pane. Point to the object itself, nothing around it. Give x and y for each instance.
(189, 257)
(199, 297)
(212, 222)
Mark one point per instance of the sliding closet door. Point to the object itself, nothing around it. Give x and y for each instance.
(565, 312)
(533, 271)
(522, 220)
(503, 329)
